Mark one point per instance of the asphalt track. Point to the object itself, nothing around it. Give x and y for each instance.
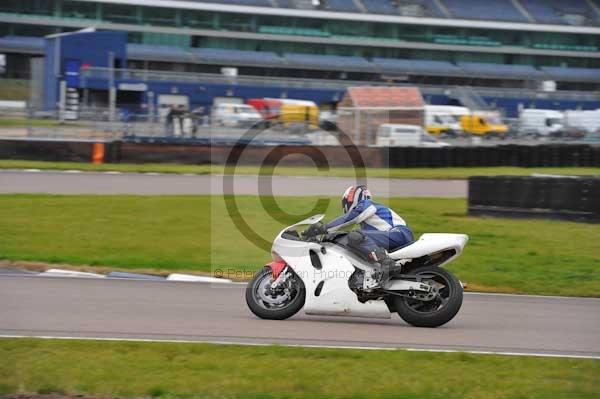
(75, 182)
(126, 309)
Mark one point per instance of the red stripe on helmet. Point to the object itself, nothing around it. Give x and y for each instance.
(351, 194)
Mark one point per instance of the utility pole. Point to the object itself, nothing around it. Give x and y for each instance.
(112, 91)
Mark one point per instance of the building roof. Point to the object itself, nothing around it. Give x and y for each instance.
(233, 6)
(384, 97)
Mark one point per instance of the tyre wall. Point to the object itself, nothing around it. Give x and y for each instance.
(566, 198)
(559, 155)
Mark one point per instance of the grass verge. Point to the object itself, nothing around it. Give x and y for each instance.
(407, 173)
(168, 370)
(195, 233)
(14, 89)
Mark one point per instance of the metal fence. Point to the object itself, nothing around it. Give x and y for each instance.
(96, 123)
(30, 123)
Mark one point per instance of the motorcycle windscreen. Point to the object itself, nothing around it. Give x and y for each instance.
(311, 220)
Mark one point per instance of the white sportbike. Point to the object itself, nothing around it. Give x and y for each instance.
(327, 277)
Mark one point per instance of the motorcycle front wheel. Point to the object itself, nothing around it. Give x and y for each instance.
(274, 304)
(435, 309)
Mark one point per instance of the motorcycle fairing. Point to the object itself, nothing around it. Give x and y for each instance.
(335, 297)
(431, 243)
(277, 267)
(337, 265)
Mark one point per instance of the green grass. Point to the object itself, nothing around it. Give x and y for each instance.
(195, 233)
(14, 89)
(22, 122)
(416, 173)
(168, 370)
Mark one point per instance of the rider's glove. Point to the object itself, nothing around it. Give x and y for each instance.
(315, 230)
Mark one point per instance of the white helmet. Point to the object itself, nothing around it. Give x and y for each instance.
(353, 195)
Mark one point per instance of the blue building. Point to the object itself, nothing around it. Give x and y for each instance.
(67, 54)
(93, 68)
(87, 68)
(506, 51)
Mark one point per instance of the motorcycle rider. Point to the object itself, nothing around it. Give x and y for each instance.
(382, 229)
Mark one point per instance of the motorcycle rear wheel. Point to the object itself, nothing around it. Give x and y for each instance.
(274, 305)
(438, 311)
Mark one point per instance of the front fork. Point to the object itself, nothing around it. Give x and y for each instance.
(281, 279)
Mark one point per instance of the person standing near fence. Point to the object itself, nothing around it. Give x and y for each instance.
(169, 122)
(178, 115)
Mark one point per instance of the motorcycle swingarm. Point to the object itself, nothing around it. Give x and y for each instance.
(413, 277)
(403, 285)
(396, 293)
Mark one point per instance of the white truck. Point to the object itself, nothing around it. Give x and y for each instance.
(397, 135)
(588, 121)
(235, 115)
(540, 122)
(442, 119)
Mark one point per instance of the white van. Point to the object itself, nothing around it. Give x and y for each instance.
(455, 110)
(440, 119)
(584, 120)
(235, 115)
(541, 122)
(396, 135)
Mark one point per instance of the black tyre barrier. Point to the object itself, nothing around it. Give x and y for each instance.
(396, 157)
(56, 151)
(501, 155)
(566, 198)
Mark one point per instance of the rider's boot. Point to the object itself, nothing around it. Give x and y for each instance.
(384, 265)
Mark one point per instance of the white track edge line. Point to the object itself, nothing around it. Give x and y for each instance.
(106, 277)
(262, 344)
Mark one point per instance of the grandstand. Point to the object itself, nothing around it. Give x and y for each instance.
(436, 44)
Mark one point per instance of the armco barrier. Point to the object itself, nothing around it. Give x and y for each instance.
(568, 198)
(296, 155)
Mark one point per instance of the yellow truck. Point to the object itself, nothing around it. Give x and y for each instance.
(300, 113)
(483, 125)
(289, 112)
(439, 120)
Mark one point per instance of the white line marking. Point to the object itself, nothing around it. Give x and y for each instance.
(196, 278)
(72, 171)
(113, 172)
(70, 273)
(380, 348)
(476, 352)
(32, 170)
